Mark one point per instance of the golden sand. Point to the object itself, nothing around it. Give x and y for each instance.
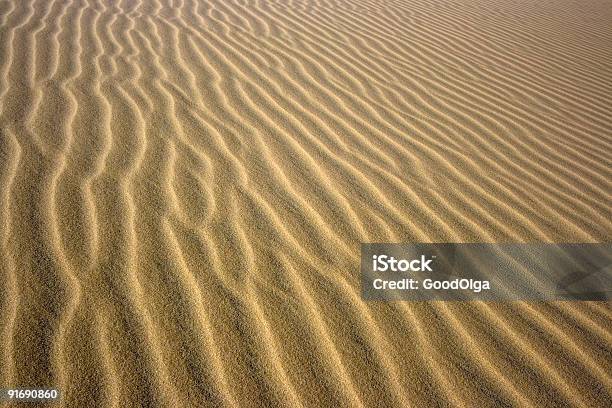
(185, 184)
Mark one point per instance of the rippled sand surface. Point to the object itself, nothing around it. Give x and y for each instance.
(185, 184)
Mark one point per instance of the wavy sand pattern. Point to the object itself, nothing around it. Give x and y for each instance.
(184, 185)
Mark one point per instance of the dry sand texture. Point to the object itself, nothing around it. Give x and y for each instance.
(184, 185)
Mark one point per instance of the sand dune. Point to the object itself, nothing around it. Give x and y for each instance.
(185, 184)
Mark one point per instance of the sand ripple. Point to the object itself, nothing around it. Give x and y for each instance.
(185, 185)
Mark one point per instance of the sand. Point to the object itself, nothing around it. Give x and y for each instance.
(185, 184)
